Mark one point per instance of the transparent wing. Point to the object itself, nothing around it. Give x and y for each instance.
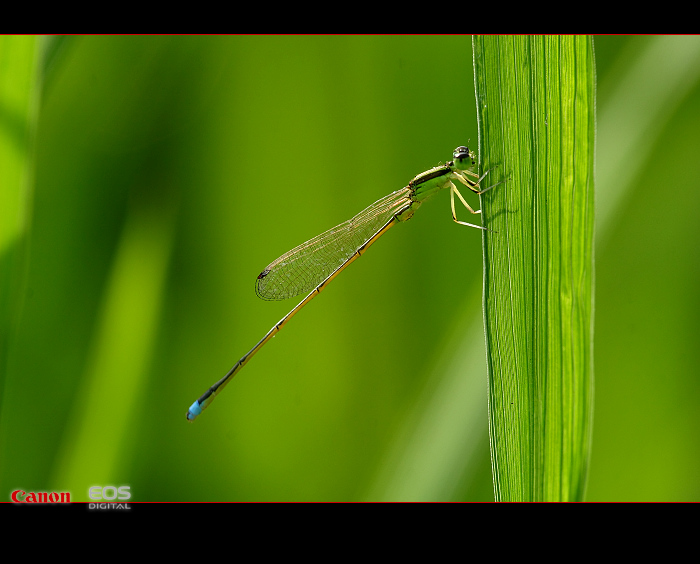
(306, 266)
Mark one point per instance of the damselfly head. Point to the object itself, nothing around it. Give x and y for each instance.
(463, 158)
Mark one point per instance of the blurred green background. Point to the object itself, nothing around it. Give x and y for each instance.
(171, 170)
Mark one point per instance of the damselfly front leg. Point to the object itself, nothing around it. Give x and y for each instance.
(474, 187)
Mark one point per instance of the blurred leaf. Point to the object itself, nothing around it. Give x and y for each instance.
(55, 49)
(535, 97)
(647, 271)
(111, 397)
(441, 440)
(631, 127)
(18, 115)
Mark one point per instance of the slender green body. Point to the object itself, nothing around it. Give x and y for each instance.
(313, 264)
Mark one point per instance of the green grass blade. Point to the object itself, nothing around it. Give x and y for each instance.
(536, 106)
(112, 393)
(18, 111)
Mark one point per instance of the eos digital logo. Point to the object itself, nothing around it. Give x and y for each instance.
(110, 494)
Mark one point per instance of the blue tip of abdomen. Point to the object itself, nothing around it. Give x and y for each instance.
(194, 410)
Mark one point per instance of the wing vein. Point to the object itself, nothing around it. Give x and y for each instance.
(306, 266)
